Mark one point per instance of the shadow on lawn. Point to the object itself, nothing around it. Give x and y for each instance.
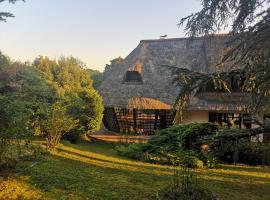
(118, 161)
(75, 173)
(113, 183)
(71, 177)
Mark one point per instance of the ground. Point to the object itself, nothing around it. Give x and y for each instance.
(94, 171)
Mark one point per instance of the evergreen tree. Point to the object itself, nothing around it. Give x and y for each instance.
(5, 15)
(248, 50)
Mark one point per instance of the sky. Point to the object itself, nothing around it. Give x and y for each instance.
(94, 31)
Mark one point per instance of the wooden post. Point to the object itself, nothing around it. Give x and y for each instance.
(135, 120)
(156, 119)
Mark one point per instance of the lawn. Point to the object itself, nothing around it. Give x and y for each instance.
(94, 171)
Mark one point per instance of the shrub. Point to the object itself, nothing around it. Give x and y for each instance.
(18, 151)
(243, 151)
(174, 145)
(13, 126)
(56, 124)
(132, 151)
(74, 136)
(185, 186)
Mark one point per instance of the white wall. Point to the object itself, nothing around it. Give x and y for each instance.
(195, 116)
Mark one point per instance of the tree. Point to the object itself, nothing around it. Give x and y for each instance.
(114, 62)
(72, 84)
(97, 77)
(18, 86)
(36, 97)
(248, 49)
(56, 123)
(14, 123)
(4, 15)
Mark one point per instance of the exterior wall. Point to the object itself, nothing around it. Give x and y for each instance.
(195, 116)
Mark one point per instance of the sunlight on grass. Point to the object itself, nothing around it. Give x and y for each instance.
(18, 188)
(95, 171)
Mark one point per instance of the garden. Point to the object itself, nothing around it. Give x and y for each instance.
(50, 107)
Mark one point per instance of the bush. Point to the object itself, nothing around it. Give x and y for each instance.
(185, 186)
(132, 151)
(174, 145)
(21, 151)
(244, 151)
(74, 136)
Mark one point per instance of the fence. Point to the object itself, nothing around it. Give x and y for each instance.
(136, 121)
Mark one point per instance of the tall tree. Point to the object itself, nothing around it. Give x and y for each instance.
(248, 49)
(72, 85)
(5, 15)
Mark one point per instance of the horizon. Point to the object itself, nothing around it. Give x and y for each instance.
(81, 29)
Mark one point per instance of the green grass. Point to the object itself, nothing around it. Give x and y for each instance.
(95, 171)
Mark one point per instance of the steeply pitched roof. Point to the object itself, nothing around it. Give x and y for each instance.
(154, 57)
(230, 102)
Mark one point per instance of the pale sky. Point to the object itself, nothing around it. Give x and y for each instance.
(95, 31)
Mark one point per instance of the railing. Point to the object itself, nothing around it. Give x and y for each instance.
(137, 121)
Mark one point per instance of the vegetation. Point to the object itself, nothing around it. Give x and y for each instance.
(4, 15)
(49, 98)
(198, 145)
(113, 63)
(185, 186)
(72, 86)
(247, 52)
(176, 145)
(97, 77)
(95, 171)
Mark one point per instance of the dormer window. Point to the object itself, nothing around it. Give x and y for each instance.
(134, 76)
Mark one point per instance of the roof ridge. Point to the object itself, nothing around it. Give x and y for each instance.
(183, 38)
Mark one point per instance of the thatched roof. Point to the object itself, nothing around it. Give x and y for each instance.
(152, 58)
(230, 102)
(147, 103)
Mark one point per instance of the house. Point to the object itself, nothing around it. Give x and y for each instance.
(139, 93)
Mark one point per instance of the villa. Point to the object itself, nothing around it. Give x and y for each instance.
(139, 94)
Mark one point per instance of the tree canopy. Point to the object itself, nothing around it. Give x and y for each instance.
(48, 97)
(97, 77)
(5, 15)
(248, 49)
(114, 62)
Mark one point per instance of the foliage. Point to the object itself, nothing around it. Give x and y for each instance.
(176, 145)
(48, 93)
(247, 49)
(198, 145)
(133, 151)
(113, 63)
(97, 77)
(13, 125)
(56, 123)
(14, 118)
(4, 15)
(243, 151)
(19, 151)
(71, 83)
(185, 186)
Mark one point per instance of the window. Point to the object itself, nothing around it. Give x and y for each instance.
(236, 119)
(133, 77)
